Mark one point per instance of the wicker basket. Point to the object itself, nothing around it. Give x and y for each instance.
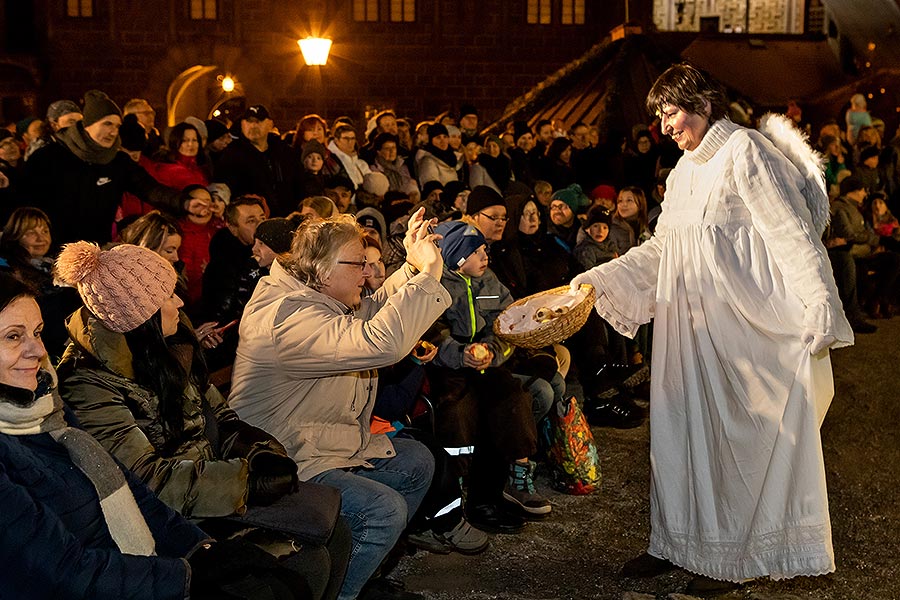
(554, 331)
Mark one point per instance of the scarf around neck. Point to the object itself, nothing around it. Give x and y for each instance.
(23, 412)
(82, 145)
(447, 156)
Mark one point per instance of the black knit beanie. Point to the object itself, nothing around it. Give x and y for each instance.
(98, 105)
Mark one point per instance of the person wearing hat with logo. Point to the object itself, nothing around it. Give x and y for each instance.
(261, 163)
(79, 179)
(436, 161)
(136, 379)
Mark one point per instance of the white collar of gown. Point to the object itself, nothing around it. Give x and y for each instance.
(715, 137)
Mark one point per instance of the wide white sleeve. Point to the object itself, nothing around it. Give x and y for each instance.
(626, 286)
(769, 186)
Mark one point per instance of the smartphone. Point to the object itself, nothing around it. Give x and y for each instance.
(431, 231)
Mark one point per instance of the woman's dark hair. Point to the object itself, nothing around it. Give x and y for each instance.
(556, 148)
(13, 288)
(156, 364)
(176, 136)
(689, 89)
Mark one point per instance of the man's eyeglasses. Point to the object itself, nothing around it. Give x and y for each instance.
(495, 219)
(363, 265)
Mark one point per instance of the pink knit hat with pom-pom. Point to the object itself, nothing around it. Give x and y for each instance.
(123, 287)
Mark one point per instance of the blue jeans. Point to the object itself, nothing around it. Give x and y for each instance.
(543, 393)
(378, 503)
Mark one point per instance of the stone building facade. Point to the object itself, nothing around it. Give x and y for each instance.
(419, 57)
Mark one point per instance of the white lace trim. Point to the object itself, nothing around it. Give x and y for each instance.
(789, 552)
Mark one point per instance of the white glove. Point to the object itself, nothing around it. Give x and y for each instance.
(576, 282)
(816, 342)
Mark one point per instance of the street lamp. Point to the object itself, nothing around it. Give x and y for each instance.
(227, 84)
(315, 50)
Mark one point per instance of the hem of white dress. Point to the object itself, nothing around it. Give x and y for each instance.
(810, 554)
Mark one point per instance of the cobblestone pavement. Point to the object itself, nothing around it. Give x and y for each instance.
(577, 552)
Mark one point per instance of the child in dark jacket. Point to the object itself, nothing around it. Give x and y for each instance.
(479, 402)
(597, 247)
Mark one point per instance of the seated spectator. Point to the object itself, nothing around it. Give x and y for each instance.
(557, 165)
(25, 245)
(308, 347)
(565, 205)
(231, 275)
(64, 497)
(340, 190)
(318, 207)
(477, 401)
(79, 180)
(136, 379)
(883, 221)
(864, 246)
(492, 167)
(312, 179)
(596, 247)
(343, 147)
(629, 221)
(436, 160)
(159, 233)
(835, 160)
(182, 163)
(221, 196)
(869, 171)
(198, 227)
(439, 525)
(392, 165)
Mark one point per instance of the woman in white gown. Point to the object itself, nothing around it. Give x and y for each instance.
(745, 308)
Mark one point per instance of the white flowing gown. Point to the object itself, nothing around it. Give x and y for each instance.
(733, 277)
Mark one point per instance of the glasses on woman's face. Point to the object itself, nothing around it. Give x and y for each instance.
(362, 264)
(494, 219)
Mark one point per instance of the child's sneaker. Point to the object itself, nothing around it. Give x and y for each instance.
(520, 490)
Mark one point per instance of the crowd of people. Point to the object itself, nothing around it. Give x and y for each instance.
(252, 324)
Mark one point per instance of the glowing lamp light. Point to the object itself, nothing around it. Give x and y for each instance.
(227, 84)
(315, 50)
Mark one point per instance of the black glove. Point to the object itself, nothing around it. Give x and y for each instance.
(234, 569)
(271, 477)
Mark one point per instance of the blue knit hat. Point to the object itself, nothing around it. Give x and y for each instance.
(460, 241)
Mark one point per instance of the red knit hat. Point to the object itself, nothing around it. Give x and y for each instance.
(122, 287)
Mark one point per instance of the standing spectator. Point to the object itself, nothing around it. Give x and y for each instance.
(856, 117)
(146, 116)
(79, 179)
(183, 161)
(260, 163)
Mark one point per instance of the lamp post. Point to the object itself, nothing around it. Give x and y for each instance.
(315, 54)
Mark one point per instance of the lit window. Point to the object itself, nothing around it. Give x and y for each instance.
(80, 8)
(203, 10)
(572, 12)
(403, 11)
(538, 12)
(365, 10)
